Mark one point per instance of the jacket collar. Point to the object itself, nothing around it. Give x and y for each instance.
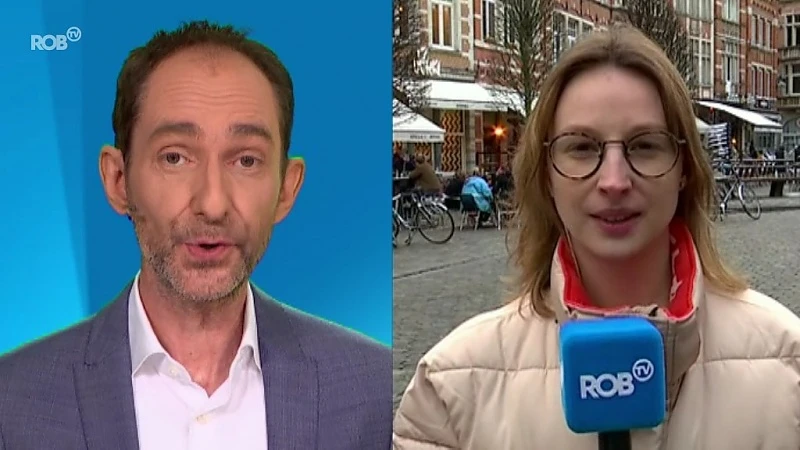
(105, 389)
(678, 323)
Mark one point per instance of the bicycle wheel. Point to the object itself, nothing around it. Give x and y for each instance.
(749, 200)
(395, 228)
(435, 224)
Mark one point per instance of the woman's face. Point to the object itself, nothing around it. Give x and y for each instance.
(614, 214)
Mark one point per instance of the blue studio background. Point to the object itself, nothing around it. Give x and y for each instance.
(66, 254)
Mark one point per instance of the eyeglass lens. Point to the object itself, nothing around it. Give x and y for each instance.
(650, 154)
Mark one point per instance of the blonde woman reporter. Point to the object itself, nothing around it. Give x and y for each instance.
(614, 196)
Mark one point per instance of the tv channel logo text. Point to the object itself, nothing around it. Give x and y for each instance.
(609, 385)
(50, 42)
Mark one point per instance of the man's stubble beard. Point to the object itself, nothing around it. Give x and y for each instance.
(160, 254)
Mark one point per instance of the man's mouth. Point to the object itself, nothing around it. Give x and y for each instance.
(209, 246)
(209, 243)
(208, 249)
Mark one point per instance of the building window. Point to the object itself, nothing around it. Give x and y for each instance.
(558, 35)
(768, 82)
(730, 10)
(697, 9)
(751, 89)
(753, 30)
(730, 65)
(706, 6)
(442, 23)
(506, 32)
(794, 79)
(792, 30)
(694, 8)
(768, 35)
(759, 31)
(701, 49)
(566, 31)
(489, 15)
(573, 29)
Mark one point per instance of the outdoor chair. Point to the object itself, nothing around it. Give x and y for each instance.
(470, 211)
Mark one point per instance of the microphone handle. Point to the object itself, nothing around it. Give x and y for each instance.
(614, 440)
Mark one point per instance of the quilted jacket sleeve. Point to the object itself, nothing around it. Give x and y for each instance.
(422, 421)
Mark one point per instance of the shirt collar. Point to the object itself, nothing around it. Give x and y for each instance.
(144, 344)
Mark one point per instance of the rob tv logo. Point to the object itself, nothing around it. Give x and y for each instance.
(608, 385)
(50, 42)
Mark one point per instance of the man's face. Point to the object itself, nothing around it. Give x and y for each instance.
(203, 182)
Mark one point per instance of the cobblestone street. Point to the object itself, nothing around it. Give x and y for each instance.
(438, 287)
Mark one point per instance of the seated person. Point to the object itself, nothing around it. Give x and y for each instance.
(502, 182)
(424, 177)
(408, 165)
(479, 189)
(453, 190)
(398, 163)
(489, 177)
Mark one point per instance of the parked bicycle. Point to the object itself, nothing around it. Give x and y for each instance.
(731, 184)
(427, 215)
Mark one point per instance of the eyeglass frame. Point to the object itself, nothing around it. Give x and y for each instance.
(624, 143)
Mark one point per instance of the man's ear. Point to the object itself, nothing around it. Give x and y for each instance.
(112, 174)
(292, 182)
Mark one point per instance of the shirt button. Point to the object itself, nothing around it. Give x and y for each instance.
(202, 419)
(173, 371)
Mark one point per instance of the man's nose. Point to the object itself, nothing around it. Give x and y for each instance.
(211, 197)
(614, 175)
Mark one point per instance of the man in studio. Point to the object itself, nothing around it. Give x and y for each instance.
(191, 355)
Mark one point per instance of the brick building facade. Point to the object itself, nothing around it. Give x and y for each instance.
(788, 43)
(734, 46)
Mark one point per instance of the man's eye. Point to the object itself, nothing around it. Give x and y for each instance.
(173, 158)
(248, 161)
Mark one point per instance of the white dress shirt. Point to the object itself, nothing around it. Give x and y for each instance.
(174, 413)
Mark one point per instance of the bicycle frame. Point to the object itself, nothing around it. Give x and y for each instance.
(419, 204)
(735, 186)
(731, 186)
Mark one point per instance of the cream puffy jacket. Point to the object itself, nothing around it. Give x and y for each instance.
(733, 374)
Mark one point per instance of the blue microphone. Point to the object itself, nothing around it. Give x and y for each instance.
(612, 377)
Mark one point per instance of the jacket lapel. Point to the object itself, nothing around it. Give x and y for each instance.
(103, 381)
(291, 383)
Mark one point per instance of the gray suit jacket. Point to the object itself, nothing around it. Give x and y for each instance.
(324, 387)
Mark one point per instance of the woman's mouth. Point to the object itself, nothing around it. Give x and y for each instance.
(617, 224)
(616, 218)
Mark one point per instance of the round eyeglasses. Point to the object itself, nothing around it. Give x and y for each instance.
(650, 154)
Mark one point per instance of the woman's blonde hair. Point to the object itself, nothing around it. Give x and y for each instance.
(540, 228)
